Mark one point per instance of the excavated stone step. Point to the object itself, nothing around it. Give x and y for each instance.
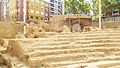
(86, 39)
(51, 43)
(81, 62)
(97, 41)
(47, 61)
(66, 63)
(105, 50)
(107, 58)
(73, 46)
(86, 35)
(40, 61)
(90, 34)
(56, 52)
(98, 37)
(110, 65)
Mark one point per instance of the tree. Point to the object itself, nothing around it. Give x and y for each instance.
(107, 6)
(77, 6)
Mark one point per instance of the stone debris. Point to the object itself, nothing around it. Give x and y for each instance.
(65, 29)
(13, 62)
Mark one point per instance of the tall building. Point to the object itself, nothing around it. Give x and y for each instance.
(55, 7)
(28, 10)
(3, 9)
(0, 10)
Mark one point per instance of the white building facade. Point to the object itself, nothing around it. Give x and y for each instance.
(55, 7)
(3, 9)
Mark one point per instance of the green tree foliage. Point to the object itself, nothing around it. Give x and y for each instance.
(107, 6)
(77, 6)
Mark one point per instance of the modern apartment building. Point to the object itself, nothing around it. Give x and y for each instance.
(55, 7)
(0, 10)
(3, 9)
(28, 10)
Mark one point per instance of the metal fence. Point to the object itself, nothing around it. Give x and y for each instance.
(111, 19)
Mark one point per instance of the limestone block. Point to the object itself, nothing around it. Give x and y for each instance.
(7, 30)
(65, 29)
(17, 48)
(20, 35)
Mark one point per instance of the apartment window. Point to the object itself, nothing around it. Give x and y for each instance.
(37, 1)
(36, 17)
(32, 6)
(42, 3)
(31, 17)
(47, 5)
(46, 14)
(42, 8)
(37, 12)
(32, 0)
(41, 18)
(32, 11)
(37, 6)
(46, 9)
(56, 13)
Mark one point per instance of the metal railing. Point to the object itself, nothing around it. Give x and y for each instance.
(111, 19)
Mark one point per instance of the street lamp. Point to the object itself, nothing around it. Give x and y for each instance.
(100, 24)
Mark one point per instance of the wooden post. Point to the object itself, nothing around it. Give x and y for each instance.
(100, 24)
(80, 25)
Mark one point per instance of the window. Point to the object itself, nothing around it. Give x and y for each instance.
(32, 11)
(42, 8)
(47, 5)
(37, 1)
(36, 17)
(46, 14)
(32, 0)
(42, 3)
(37, 12)
(46, 9)
(37, 6)
(41, 18)
(31, 17)
(32, 6)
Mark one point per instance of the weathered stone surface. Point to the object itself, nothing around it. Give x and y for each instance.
(14, 62)
(65, 29)
(7, 30)
(10, 29)
(65, 49)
